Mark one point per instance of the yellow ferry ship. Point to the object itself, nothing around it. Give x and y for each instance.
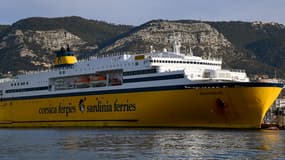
(165, 89)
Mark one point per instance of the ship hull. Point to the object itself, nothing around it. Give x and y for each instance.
(227, 106)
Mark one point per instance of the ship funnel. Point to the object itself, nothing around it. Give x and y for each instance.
(65, 57)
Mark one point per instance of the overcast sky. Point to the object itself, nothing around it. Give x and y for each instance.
(135, 12)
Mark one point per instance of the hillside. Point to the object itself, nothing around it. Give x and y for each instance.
(28, 44)
(91, 31)
(255, 47)
(263, 42)
(3, 27)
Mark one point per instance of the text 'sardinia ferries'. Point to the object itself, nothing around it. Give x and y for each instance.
(166, 89)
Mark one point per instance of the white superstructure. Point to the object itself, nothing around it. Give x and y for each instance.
(196, 68)
(120, 71)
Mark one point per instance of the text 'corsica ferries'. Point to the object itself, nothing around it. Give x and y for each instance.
(166, 89)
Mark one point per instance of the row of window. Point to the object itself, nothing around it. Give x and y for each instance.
(19, 84)
(26, 89)
(107, 66)
(184, 62)
(145, 71)
(120, 65)
(61, 72)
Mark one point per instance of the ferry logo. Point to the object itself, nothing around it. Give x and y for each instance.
(81, 105)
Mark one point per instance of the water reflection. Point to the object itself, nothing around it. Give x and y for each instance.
(110, 143)
(271, 143)
(141, 144)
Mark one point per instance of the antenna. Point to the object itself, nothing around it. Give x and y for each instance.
(209, 55)
(275, 73)
(191, 53)
(151, 49)
(190, 49)
(176, 43)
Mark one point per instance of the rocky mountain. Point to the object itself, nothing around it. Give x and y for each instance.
(202, 38)
(257, 47)
(29, 43)
(207, 39)
(160, 34)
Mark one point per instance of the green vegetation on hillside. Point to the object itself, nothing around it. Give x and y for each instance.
(91, 31)
(3, 27)
(263, 42)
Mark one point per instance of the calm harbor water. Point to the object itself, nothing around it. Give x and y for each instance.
(118, 143)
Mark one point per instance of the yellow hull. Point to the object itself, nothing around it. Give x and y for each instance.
(231, 107)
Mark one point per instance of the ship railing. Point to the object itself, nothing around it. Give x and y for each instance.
(213, 59)
(180, 55)
(125, 56)
(148, 54)
(5, 80)
(26, 73)
(108, 55)
(238, 70)
(34, 72)
(117, 54)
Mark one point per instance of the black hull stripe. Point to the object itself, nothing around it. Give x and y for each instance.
(133, 80)
(157, 78)
(27, 89)
(148, 89)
